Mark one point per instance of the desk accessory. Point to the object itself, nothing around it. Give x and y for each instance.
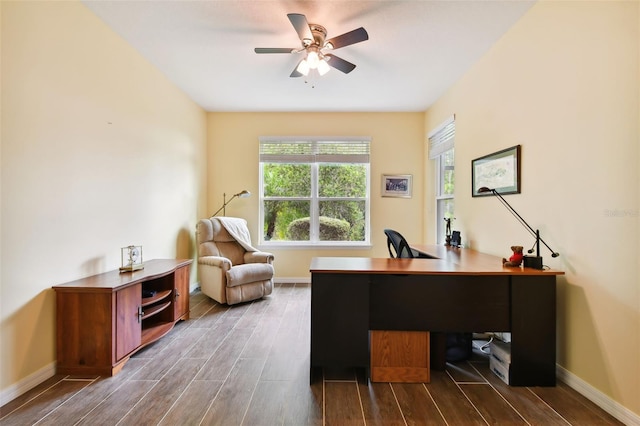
(456, 239)
(516, 257)
(131, 258)
(242, 194)
(447, 239)
(529, 261)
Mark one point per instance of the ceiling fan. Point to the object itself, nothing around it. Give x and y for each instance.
(314, 45)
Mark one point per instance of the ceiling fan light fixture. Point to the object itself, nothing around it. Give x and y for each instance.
(323, 67)
(303, 67)
(313, 59)
(313, 39)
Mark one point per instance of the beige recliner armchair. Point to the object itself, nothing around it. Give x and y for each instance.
(230, 269)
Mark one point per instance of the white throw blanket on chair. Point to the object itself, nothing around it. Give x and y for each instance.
(237, 228)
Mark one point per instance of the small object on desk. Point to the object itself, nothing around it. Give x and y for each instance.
(516, 257)
(534, 262)
(131, 258)
(447, 239)
(456, 239)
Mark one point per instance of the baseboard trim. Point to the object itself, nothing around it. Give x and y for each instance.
(287, 280)
(603, 401)
(28, 383)
(292, 280)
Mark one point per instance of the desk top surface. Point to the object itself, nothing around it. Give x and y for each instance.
(449, 261)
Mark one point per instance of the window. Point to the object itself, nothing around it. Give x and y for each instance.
(441, 150)
(314, 191)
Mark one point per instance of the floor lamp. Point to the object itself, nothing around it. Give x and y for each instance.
(241, 194)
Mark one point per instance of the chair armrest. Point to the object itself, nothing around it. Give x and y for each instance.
(216, 261)
(258, 257)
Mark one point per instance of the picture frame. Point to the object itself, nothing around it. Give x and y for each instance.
(499, 170)
(397, 186)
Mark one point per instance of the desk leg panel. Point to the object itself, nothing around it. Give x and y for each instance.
(339, 320)
(533, 331)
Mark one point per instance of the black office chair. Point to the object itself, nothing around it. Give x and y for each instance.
(398, 246)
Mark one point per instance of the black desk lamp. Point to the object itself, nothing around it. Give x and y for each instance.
(529, 261)
(242, 194)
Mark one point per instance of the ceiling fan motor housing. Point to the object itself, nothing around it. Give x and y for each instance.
(319, 35)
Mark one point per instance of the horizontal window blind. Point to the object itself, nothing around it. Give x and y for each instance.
(441, 139)
(314, 151)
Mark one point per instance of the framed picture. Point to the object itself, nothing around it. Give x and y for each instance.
(499, 171)
(396, 186)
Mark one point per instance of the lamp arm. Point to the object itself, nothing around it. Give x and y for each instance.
(535, 233)
(224, 204)
(553, 253)
(513, 212)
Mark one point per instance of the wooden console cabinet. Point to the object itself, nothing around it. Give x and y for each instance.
(103, 319)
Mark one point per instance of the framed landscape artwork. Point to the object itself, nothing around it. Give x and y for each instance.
(499, 171)
(396, 186)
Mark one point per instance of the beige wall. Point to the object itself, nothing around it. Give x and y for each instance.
(99, 151)
(397, 147)
(564, 84)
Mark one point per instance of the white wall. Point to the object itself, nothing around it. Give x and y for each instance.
(99, 151)
(564, 84)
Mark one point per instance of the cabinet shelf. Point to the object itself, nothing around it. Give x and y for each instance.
(151, 334)
(146, 301)
(154, 310)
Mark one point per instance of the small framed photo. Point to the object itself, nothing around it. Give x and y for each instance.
(499, 171)
(397, 186)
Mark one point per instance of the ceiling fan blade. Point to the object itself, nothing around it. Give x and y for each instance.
(339, 63)
(352, 37)
(299, 22)
(273, 50)
(295, 72)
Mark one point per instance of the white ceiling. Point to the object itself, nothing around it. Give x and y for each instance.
(416, 49)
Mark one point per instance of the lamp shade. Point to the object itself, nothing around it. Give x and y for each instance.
(303, 67)
(323, 67)
(313, 59)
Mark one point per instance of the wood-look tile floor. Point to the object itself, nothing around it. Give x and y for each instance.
(249, 365)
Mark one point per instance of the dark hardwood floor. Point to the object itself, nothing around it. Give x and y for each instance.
(249, 365)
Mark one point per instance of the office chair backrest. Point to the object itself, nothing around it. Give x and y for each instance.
(400, 246)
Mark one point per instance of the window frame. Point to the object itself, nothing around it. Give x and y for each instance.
(441, 197)
(314, 198)
(441, 142)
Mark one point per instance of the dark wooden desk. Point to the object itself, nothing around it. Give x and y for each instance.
(460, 290)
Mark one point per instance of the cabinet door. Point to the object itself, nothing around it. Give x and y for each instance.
(128, 322)
(339, 320)
(181, 294)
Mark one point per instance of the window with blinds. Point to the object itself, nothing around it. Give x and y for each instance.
(314, 191)
(441, 149)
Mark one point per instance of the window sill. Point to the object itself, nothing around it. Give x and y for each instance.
(314, 246)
